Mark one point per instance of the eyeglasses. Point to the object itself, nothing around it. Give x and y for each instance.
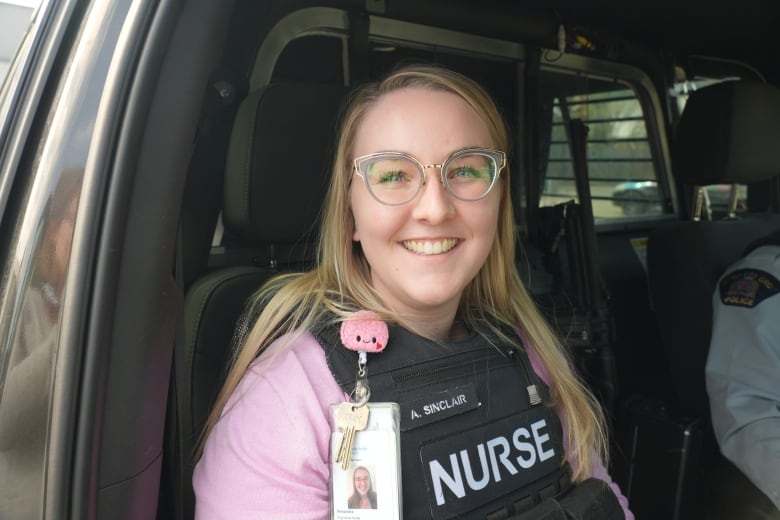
(395, 178)
(363, 480)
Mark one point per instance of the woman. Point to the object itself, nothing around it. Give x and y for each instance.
(363, 496)
(418, 229)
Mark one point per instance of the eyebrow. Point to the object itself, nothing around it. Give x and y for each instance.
(450, 154)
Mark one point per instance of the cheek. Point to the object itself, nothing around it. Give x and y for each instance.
(368, 217)
(494, 213)
(483, 219)
(355, 232)
(355, 208)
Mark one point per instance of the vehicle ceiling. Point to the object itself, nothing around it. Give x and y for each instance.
(745, 33)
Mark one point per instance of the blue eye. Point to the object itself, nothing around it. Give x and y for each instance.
(390, 172)
(471, 168)
(467, 173)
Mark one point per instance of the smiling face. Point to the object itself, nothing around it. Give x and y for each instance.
(423, 253)
(362, 481)
(364, 332)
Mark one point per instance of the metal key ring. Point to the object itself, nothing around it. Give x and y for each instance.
(362, 393)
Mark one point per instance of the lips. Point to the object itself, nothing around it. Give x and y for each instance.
(430, 247)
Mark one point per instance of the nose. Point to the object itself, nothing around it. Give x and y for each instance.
(434, 205)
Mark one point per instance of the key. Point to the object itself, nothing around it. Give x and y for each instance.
(356, 425)
(349, 420)
(344, 420)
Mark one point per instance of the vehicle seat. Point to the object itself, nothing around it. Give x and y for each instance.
(276, 176)
(727, 134)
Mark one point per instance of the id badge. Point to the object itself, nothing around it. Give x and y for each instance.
(368, 484)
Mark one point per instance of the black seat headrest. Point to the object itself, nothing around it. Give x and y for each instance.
(279, 161)
(728, 134)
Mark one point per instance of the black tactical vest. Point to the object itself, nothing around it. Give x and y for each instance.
(472, 443)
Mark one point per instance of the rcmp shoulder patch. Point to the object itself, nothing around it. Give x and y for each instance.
(747, 287)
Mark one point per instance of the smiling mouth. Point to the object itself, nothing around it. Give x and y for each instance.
(430, 247)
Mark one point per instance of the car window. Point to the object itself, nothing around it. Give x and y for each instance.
(40, 224)
(622, 172)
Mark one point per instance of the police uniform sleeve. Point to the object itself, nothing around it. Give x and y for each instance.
(743, 368)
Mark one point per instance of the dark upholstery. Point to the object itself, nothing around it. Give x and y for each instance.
(685, 262)
(213, 304)
(276, 175)
(278, 161)
(728, 133)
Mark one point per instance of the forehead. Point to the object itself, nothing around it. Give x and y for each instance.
(422, 122)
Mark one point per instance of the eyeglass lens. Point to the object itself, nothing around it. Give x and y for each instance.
(396, 180)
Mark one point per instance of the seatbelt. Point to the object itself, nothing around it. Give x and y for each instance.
(178, 460)
(200, 215)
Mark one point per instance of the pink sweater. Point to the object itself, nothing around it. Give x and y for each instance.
(267, 457)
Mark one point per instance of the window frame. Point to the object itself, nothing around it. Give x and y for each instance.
(335, 22)
(650, 103)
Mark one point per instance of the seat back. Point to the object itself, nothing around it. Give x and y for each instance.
(276, 176)
(684, 263)
(727, 134)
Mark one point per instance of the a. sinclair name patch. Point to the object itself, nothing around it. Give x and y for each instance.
(437, 406)
(747, 287)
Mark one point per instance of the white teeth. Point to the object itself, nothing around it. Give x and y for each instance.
(430, 247)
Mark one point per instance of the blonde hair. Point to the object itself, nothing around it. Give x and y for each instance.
(293, 303)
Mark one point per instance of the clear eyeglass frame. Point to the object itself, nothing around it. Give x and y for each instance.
(497, 156)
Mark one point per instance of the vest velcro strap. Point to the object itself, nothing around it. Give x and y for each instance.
(592, 499)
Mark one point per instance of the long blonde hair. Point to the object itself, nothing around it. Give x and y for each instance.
(293, 303)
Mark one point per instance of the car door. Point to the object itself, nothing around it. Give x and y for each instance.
(96, 123)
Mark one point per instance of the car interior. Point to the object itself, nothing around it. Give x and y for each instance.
(626, 122)
(639, 334)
